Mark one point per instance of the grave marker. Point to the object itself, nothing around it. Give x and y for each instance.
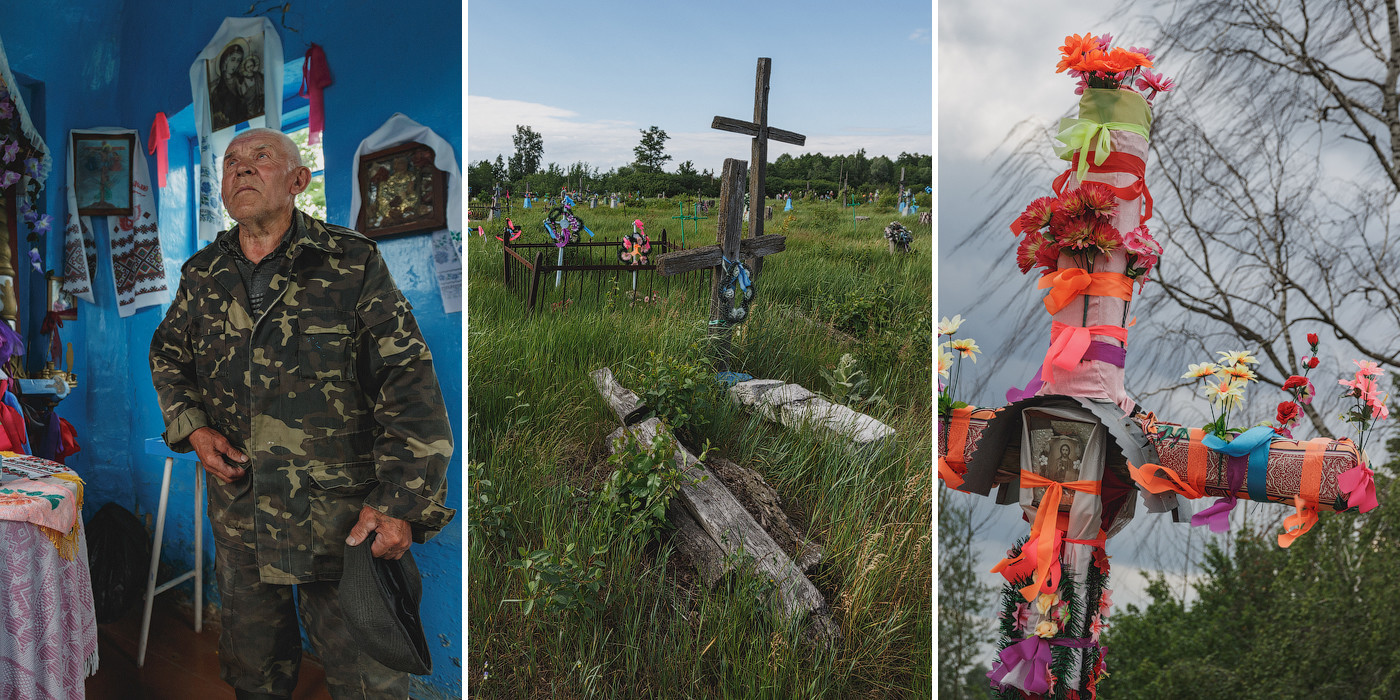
(761, 133)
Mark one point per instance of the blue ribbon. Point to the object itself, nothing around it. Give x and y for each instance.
(743, 272)
(1255, 443)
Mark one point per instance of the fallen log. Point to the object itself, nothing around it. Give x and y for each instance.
(731, 531)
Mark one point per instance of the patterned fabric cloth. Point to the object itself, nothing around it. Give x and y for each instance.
(48, 626)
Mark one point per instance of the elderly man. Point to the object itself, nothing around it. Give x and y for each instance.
(292, 365)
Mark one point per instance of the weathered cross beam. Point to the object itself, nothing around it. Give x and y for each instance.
(761, 133)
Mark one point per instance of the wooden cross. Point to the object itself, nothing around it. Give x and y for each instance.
(729, 245)
(761, 133)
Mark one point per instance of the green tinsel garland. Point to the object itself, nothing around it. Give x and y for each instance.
(1061, 658)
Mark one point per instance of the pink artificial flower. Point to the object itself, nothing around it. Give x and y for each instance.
(1097, 627)
(1155, 82)
(1378, 409)
(7, 108)
(1023, 616)
(9, 178)
(1105, 601)
(1105, 41)
(1144, 51)
(11, 150)
(1367, 368)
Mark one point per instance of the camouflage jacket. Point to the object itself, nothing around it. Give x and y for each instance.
(331, 394)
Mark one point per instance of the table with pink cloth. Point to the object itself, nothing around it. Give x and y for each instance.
(49, 642)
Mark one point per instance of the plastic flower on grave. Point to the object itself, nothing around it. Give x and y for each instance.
(1312, 363)
(1121, 60)
(1144, 51)
(1097, 627)
(1106, 239)
(1023, 616)
(10, 150)
(9, 178)
(1196, 371)
(1036, 216)
(1028, 252)
(1239, 373)
(1152, 83)
(1105, 601)
(31, 167)
(1237, 357)
(967, 347)
(1089, 198)
(1301, 388)
(7, 108)
(1045, 601)
(945, 362)
(1286, 416)
(1073, 51)
(1312, 341)
(43, 225)
(1080, 233)
(1225, 394)
(1367, 368)
(1047, 629)
(949, 326)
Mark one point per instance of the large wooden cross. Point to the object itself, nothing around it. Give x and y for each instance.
(729, 245)
(761, 133)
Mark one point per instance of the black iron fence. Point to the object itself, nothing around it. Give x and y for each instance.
(591, 270)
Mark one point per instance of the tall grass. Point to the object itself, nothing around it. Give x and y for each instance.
(538, 430)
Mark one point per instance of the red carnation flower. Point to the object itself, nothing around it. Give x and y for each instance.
(1287, 414)
(1312, 340)
(1312, 363)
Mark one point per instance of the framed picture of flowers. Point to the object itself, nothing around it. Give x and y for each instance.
(102, 173)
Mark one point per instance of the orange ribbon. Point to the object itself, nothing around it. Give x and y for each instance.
(1309, 490)
(1158, 479)
(1044, 531)
(1069, 343)
(953, 464)
(1065, 285)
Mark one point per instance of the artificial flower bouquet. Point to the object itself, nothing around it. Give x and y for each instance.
(1265, 462)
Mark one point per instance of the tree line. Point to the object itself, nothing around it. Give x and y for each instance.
(810, 172)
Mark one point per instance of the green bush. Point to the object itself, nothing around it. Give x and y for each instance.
(635, 497)
(681, 393)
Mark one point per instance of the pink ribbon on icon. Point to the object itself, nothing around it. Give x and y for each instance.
(156, 144)
(315, 77)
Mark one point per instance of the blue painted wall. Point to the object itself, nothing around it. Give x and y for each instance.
(117, 63)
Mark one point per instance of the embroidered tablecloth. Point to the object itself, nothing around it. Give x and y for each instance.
(48, 644)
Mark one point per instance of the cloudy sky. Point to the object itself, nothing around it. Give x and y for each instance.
(589, 77)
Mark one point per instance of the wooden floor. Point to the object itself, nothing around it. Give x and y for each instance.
(179, 663)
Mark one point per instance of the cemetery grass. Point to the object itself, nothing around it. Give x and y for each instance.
(537, 448)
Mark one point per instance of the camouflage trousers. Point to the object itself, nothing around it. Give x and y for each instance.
(260, 646)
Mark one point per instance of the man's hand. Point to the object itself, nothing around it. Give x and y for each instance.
(394, 535)
(212, 448)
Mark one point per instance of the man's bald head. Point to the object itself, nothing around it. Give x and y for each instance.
(283, 142)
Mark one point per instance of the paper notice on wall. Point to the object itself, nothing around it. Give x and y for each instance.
(447, 263)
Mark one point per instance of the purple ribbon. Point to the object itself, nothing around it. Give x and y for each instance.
(1036, 650)
(1246, 447)
(11, 343)
(1098, 350)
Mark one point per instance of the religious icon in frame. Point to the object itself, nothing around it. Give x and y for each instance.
(401, 192)
(236, 82)
(1057, 447)
(102, 173)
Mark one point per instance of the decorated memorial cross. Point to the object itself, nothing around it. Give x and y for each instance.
(761, 133)
(733, 285)
(1073, 449)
